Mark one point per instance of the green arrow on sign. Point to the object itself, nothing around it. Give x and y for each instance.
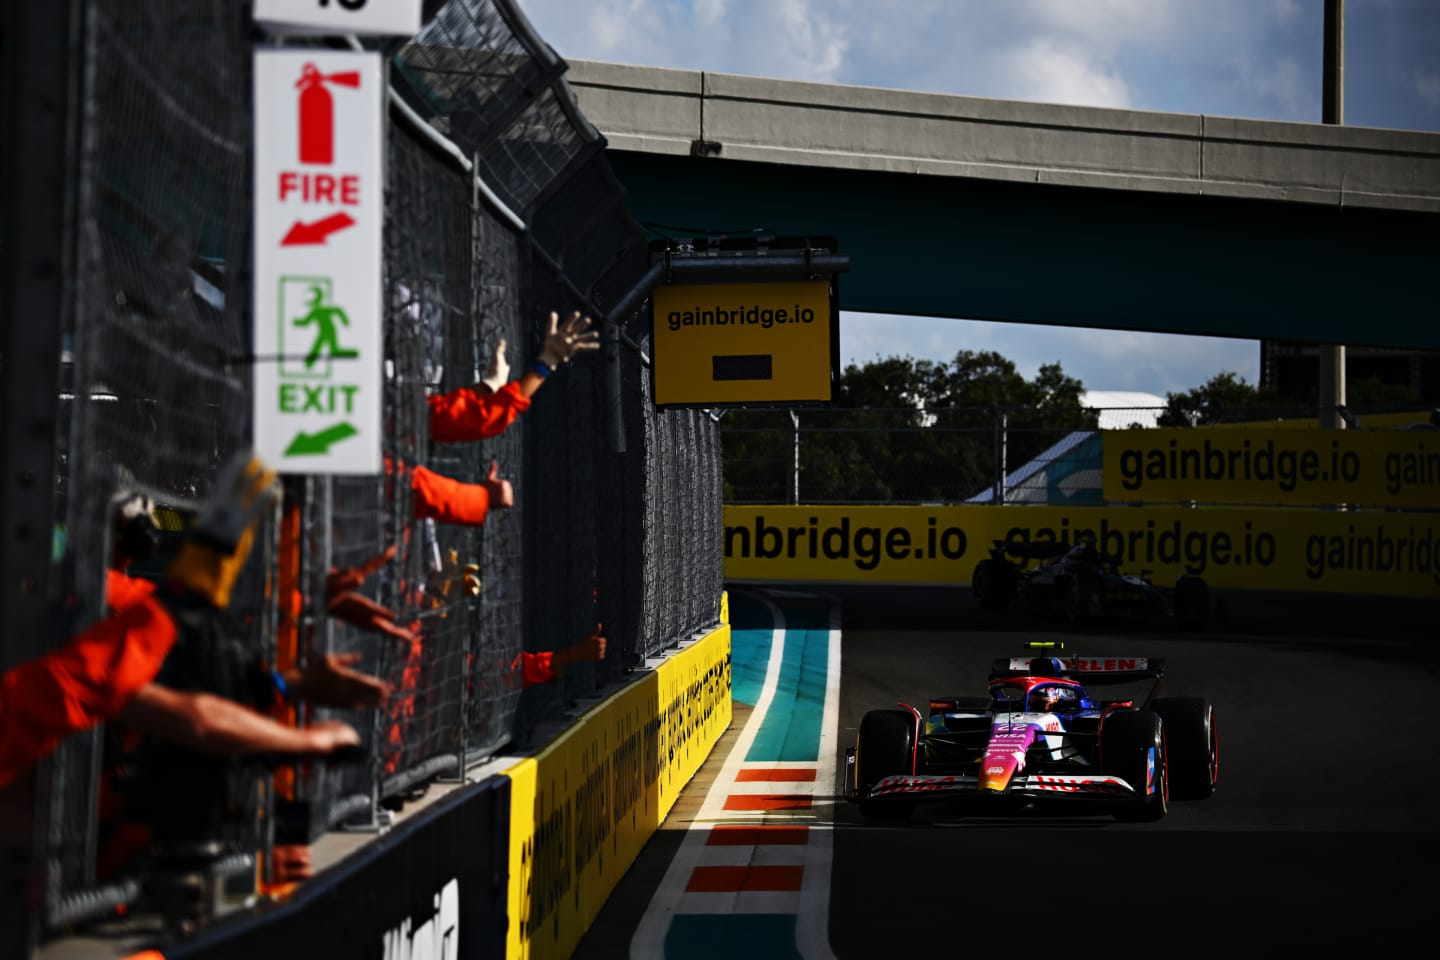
(313, 443)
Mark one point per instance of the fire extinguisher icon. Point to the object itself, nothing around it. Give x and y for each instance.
(317, 112)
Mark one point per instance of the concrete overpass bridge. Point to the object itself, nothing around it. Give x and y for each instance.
(965, 207)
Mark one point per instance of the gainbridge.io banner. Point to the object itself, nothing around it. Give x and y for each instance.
(1284, 467)
(1364, 552)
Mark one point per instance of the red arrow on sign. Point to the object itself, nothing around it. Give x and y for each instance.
(302, 234)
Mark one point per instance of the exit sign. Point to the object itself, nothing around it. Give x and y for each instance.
(319, 207)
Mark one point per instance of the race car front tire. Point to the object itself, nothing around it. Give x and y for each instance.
(1194, 741)
(884, 747)
(1130, 742)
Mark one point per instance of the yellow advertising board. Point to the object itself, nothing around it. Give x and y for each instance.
(1362, 552)
(744, 343)
(1378, 468)
(581, 809)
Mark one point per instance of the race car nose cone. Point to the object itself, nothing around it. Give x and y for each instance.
(995, 773)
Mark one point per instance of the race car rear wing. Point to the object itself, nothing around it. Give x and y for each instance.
(1093, 671)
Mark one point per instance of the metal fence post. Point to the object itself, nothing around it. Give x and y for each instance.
(38, 85)
(1001, 422)
(795, 458)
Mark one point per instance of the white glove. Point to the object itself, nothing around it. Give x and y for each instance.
(562, 345)
(499, 373)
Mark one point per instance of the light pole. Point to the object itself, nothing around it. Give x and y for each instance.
(1332, 356)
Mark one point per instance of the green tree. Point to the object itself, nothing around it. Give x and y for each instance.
(903, 430)
(1376, 394)
(1225, 397)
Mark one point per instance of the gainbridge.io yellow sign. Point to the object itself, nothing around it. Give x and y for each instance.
(1363, 552)
(1373, 468)
(726, 344)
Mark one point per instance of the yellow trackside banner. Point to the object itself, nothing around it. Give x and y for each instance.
(1375, 468)
(581, 810)
(730, 343)
(1362, 552)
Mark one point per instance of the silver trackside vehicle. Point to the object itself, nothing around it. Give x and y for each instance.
(1040, 738)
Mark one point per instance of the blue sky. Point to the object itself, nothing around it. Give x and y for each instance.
(1240, 58)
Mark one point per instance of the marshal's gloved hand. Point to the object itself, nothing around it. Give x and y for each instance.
(562, 343)
(499, 372)
(215, 549)
(344, 602)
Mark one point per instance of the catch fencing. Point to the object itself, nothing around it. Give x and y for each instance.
(500, 207)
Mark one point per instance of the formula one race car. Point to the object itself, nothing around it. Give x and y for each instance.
(1080, 582)
(1040, 739)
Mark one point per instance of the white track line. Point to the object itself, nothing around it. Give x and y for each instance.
(649, 940)
(812, 925)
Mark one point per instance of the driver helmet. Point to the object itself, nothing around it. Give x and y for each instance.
(1050, 698)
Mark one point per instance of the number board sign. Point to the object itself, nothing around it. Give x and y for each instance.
(339, 17)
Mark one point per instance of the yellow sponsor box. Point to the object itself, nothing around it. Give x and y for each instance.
(1380, 468)
(737, 343)
(582, 809)
(1362, 552)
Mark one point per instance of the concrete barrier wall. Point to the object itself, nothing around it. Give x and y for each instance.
(582, 809)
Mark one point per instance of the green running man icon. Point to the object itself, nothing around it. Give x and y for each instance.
(323, 316)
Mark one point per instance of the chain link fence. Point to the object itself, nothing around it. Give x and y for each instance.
(500, 207)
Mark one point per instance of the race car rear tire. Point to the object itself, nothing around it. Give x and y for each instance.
(993, 584)
(1192, 603)
(1194, 745)
(1132, 747)
(884, 747)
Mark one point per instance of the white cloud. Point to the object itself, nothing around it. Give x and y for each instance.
(1282, 82)
(1428, 86)
(1104, 24)
(1045, 71)
(1102, 359)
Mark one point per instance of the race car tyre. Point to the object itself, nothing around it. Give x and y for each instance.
(993, 584)
(1132, 747)
(1192, 603)
(1194, 745)
(884, 747)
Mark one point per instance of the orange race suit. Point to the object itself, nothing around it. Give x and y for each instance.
(84, 682)
(468, 414)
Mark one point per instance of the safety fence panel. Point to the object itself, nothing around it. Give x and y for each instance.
(500, 207)
(154, 374)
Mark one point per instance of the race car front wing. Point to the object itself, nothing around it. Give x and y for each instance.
(1031, 785)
